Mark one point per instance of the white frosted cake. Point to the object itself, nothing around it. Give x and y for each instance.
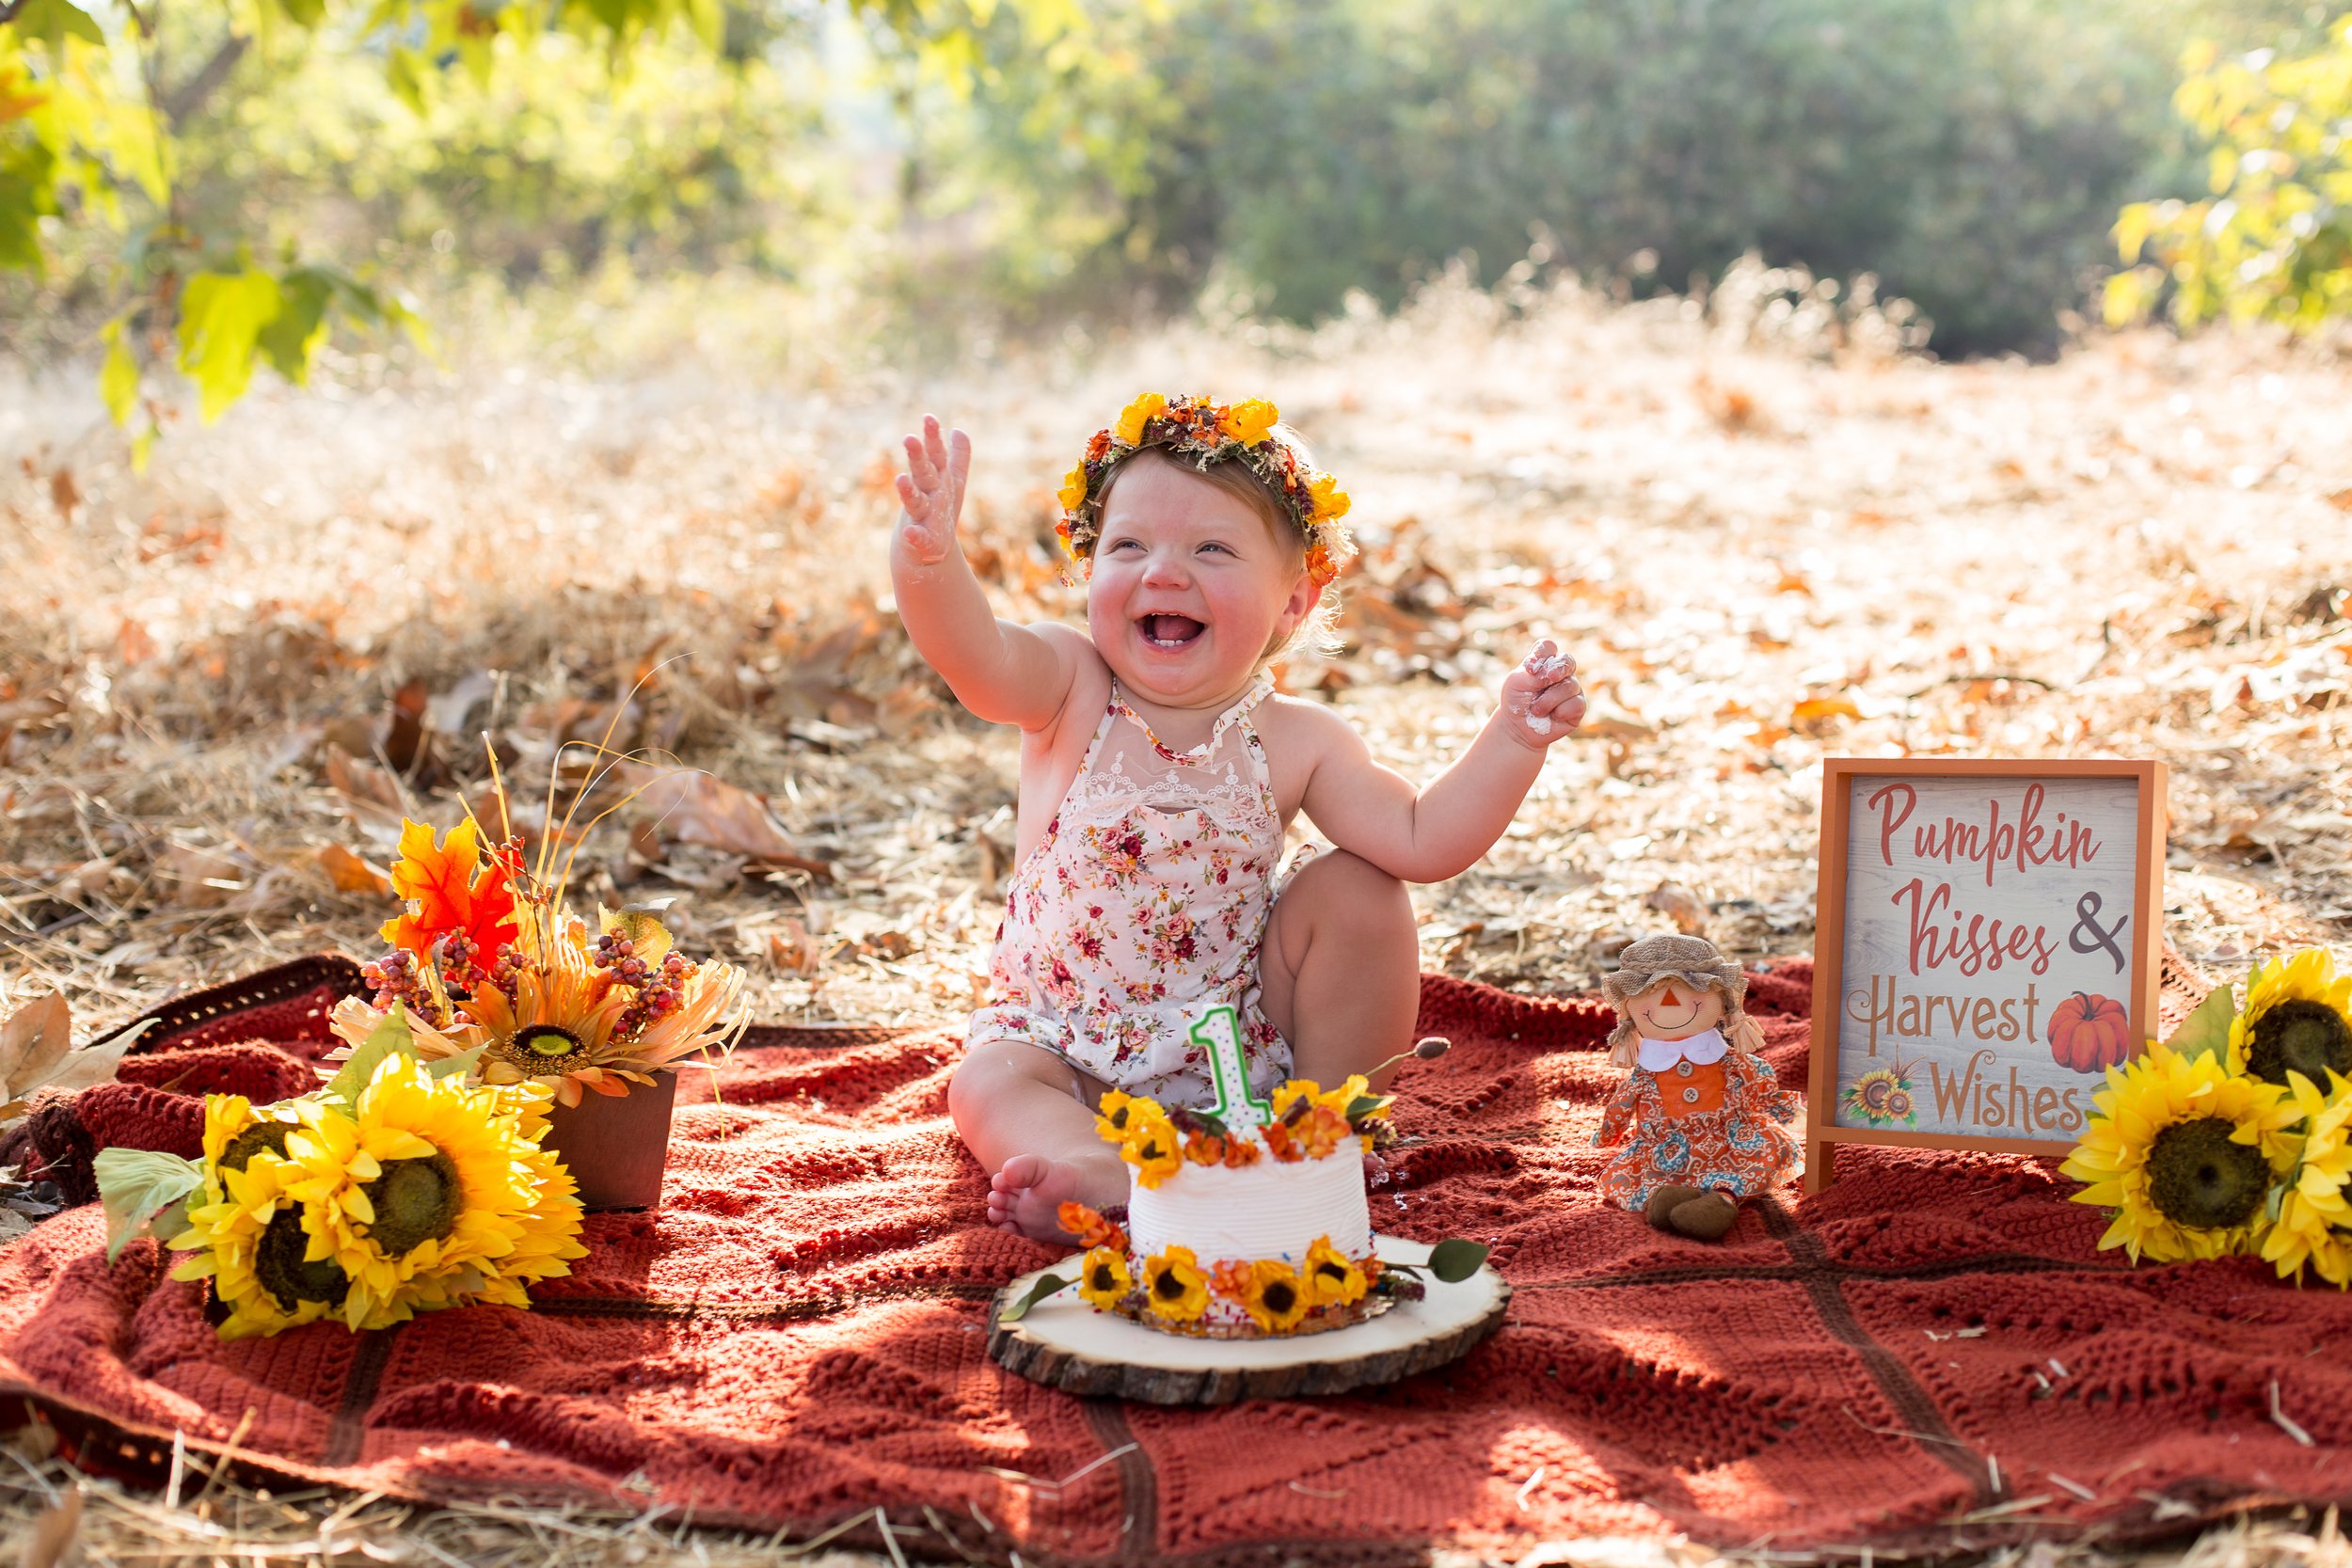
(1237, 1227)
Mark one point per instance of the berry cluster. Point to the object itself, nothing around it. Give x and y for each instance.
(395, 978)
(660, 996)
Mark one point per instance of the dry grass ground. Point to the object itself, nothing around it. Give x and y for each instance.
(223, 683)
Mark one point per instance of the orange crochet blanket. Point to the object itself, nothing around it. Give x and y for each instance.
(1931, 1355)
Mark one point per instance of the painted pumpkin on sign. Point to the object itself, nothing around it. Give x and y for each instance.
(2091, 1032)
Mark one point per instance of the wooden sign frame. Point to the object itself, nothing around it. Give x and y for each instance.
(1822, 1135)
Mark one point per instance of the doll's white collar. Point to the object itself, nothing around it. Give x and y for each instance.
(1703, 1048)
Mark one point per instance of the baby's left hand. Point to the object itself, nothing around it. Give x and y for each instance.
(1541, 701)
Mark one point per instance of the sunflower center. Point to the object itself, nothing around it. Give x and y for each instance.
(2198, 1178)
(1104, 1279)
(545, 1040)
(1168, 1287)
(289, 1279)
(416, 1200)
(2300, 1036)
(262, 1138)
(1281, 1297)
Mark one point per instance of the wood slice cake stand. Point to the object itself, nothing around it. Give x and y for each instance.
(1064, 1343)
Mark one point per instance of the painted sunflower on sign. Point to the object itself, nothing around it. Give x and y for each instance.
(1882, 1097)
(2298, 1018)
(2183, 1152)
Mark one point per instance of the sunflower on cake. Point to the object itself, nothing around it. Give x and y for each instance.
(1245, 1218)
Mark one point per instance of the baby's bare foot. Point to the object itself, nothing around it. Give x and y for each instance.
(1028, 1193)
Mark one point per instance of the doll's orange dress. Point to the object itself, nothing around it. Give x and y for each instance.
(1714, 1125)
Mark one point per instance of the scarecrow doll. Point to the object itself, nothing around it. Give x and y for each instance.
(1699, 1116)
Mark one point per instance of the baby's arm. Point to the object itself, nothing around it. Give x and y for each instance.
(1429, 834)
(1004, 673)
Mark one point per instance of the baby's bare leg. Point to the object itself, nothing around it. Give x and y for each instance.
(1013, 1106)
(1340, 970)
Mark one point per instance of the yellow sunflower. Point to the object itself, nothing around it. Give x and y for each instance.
(1174, 1285)
(2298, 1018)
(1104, 1277)
(1332, 1278)
(259, 1247)
(1276, 1296)
(1153, 1148)
(2314, 1222)
(1292, 1092)
(426, 1193)
(1111, 1124)
(2184, 1152)
(1248, 420)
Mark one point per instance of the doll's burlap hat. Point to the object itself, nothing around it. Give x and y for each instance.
(1690, 959)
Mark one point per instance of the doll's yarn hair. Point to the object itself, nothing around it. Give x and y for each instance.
(1692, 960)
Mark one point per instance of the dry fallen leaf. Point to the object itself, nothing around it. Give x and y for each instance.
(350, 874)
(52, 1533)
(198, 878)
(699, 808)
(794, 949)
(33, 1041)
(1814, 710)
(1678, 903)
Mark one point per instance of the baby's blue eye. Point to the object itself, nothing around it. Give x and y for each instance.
(1214, 545)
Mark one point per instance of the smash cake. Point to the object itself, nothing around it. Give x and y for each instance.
(1245, 1220)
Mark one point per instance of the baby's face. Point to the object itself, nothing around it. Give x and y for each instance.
(1189, 587)
(1676, 1010)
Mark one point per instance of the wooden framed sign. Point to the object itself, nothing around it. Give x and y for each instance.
(1987, 944)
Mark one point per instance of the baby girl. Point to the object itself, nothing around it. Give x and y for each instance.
(1158, 771)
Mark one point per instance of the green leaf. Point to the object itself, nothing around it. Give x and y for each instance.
(2273, 1202)
(134, 1184)
(2206, 1031)
(54, 21)
(453, 1066)
(406, 71)
(293, 335)
(222, 316)
(1045, 1285)
(388, 1039)
(1456, 1260)
(1367, 1104)
(118, 378)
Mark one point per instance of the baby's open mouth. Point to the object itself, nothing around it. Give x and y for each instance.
(1169, 631)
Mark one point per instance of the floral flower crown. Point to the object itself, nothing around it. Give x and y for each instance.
(1206, 433)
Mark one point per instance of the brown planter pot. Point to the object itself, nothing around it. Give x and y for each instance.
(616, 1146)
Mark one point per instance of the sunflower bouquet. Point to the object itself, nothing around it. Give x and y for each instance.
(2235, 1135)
(394, 1189)
(487, 964)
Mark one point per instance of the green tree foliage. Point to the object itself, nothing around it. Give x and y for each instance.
(2274, 240)
(1970, 153)
(147, 149)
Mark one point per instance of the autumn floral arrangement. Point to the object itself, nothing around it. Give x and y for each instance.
(1202, 433)
(395, 1188)
(487, 964)
(1304, 1290)
(2234, 1137)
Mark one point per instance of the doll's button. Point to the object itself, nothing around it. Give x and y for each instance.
(1690, 1097)
(1683, 1069)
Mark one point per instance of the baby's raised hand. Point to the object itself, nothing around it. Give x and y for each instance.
(1541, 700)
(932, 490)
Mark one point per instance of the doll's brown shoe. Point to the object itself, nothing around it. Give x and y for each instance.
(1664, 1201)
(1703, 1218)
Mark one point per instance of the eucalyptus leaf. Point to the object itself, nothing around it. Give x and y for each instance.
(1045, 1287)
(2206, 1031)
(452, 1067)
(134, 1184)
(388, 1039)
(1456, 1260)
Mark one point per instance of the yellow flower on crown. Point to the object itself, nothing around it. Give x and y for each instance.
(1248, 420)
(1330, 501)
(1073, 488)
(1132, 417)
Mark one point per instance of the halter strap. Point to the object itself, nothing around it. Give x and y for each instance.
(1259, 692)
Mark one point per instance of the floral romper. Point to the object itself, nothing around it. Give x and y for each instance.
(1146, 902)
(1700, 1113)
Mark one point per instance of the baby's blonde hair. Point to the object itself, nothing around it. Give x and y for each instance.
(1318, 629)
